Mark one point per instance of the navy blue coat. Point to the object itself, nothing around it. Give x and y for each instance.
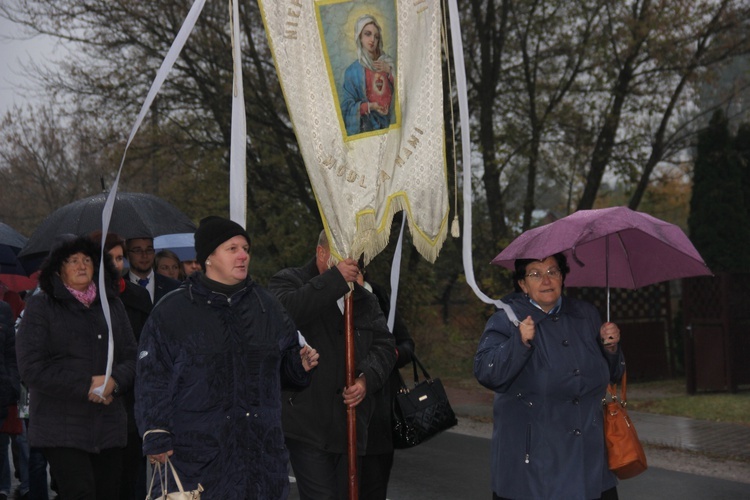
(210, 371)
(548, 439)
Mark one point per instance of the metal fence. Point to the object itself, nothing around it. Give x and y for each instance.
(644, 317)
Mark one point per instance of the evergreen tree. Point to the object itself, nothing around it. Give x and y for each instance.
(742, 148)
(718, 223)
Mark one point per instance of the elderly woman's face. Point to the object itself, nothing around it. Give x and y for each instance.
(77, 271)
(370, 38)
(543, 282)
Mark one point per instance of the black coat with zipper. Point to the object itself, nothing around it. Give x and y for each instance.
(61, 344)
(317, 414)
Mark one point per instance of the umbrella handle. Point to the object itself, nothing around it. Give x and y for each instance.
(606, 270)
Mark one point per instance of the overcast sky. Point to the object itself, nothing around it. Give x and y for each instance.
(14, 87)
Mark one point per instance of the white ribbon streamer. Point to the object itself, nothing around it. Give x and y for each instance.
(237, 168)
(395, 274)
(161, 75)
(463, 107)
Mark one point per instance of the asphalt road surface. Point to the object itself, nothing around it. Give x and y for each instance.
(455, 466)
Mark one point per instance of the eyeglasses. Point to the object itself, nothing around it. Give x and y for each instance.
(141, 251)
(77, 262)
(552, 273)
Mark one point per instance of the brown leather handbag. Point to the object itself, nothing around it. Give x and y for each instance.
(624, 450)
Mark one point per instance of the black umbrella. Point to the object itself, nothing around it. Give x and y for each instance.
(11, 242)
(135, 215)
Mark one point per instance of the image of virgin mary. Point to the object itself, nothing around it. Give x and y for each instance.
(368, 96)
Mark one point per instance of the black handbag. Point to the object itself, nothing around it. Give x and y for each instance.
(421, 412)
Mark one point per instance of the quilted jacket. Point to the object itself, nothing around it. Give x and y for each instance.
(210, 372)
(60, 345)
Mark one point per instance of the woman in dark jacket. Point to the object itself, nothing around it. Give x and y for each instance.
(62, 348)
(549, 369)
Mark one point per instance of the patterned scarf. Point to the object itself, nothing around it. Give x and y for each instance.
(86, 297)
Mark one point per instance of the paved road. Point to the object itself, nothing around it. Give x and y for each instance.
(455, 466)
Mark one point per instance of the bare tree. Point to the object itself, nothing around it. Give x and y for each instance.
(45, 162)
(660, 52)
(486, 43)
(118, 46)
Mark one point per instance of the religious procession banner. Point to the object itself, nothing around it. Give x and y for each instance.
(363, 84)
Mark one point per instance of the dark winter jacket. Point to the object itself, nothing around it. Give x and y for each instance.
(61, 345)
(317, 414)
(162, 285)
(210, 370)
(548, 440)
(9, 383)
(138, 306)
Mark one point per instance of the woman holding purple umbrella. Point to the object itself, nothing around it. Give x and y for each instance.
(549, 367)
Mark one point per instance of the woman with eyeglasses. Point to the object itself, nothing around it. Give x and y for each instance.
(62, 348)
(549, 368)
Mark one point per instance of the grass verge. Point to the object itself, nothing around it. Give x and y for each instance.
(669, 397)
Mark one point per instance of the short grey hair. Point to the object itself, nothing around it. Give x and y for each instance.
(323, 239)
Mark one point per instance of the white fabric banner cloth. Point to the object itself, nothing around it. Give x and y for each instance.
(363, 84)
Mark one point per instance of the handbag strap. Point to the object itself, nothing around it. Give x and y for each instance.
(402, 385)
(169, 467)
(157, 469)
(623, 387)
(163, 480)
(175, 476)
(414, 362)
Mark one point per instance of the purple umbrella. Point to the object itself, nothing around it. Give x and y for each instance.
(611, 247)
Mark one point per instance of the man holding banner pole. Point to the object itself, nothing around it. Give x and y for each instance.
(314, 419)
(362, 80)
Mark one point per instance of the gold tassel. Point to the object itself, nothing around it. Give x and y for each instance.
(455, 228)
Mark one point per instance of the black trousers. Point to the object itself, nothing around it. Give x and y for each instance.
(320, 475)
(610, 494)
(133, 481)
(85, 476)
(374, 476)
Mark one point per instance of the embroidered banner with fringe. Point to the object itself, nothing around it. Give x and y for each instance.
(363, 84)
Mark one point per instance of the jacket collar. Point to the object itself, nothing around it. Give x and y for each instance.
(61, 293)
(195, 287)
(523, 306)
(311, 268)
